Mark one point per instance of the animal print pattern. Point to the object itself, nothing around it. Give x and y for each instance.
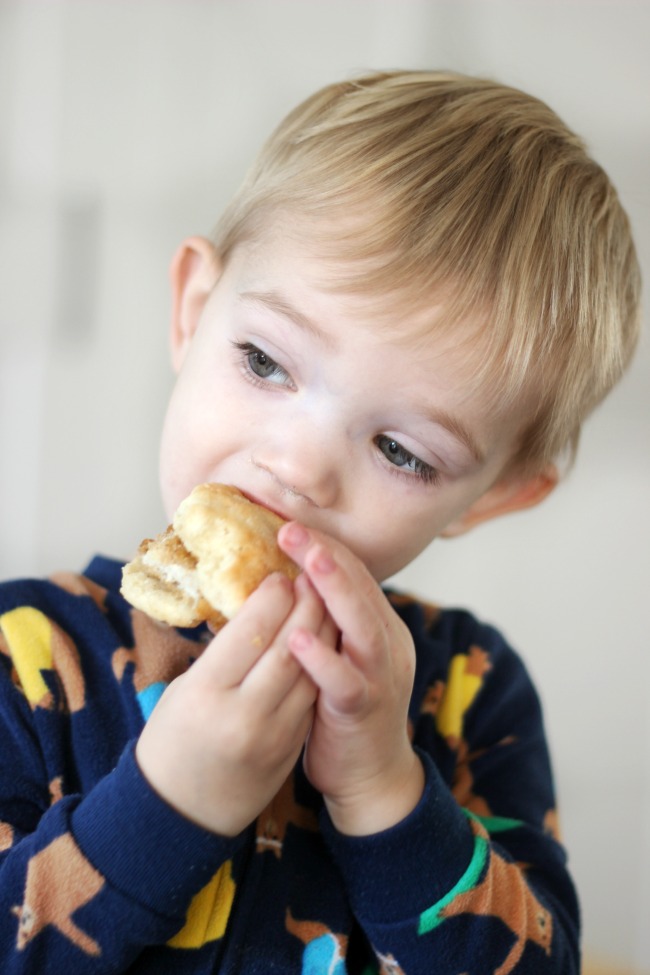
(251, 902)
(59, 881)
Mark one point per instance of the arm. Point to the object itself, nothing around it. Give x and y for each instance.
(434, 883)
(88, 880)
(221, 774)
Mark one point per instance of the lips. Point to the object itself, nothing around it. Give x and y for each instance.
(264, 504)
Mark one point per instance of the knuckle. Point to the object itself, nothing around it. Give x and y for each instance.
(352, 697)
(239, 739)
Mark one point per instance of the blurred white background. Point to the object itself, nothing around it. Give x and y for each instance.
(125, 127)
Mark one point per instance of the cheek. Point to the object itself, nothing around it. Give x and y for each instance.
(185, 443)
(172, 464)
(207, 428)
(389, 541)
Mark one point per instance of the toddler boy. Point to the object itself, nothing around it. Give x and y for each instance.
(422, 289)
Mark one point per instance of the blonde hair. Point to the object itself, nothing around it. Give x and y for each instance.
(467, 188)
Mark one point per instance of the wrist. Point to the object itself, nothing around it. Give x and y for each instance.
(381, 805)
(431, 846)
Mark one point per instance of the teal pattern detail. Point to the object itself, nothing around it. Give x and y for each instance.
(149, 697)
(431, 918)
(498, 824)
(322, 956)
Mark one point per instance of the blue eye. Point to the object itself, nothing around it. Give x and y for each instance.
(261, 365)
(405, 461)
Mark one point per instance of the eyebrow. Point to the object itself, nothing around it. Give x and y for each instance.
(457, 429)
(277, 303)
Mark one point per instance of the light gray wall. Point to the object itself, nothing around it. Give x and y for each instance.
(124, 127)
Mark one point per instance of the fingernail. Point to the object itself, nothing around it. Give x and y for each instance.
(294, 534)
(300, 640)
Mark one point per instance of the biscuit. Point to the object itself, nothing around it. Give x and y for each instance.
(218, 549)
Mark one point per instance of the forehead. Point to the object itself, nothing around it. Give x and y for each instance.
(434, 362)
(304, 277)
(323, 263)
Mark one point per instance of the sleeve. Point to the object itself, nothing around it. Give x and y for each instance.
(87, 880)
(475, 878)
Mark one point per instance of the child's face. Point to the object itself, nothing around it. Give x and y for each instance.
(318, 406)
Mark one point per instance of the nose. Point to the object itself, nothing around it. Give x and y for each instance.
(303, 462)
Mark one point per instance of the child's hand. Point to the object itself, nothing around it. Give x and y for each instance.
(225, 735)
(358, 752)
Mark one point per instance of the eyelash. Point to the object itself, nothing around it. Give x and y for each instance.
(249, 353)
(421, 471)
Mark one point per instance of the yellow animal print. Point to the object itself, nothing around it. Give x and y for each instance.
(28, 635)
(208, 912)
(36, 644)
(464, 681)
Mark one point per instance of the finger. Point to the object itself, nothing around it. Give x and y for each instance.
(277, 671)
(297, 541)
(279, 686)
(352, 596)
(237, 647)
(334, 674)
(329, 632)
(359, 609)
(326, 630)
(308, 611)
(296, 708)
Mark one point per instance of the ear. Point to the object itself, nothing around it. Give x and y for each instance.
(194, 271)
(507, 495)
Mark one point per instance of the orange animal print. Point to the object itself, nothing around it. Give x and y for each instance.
(160, 653)
(432, 698)
(463, 781)
(273, 821)
(503, 893)
(81, 586)
(59, 881)
(56, 789)
(430, 704)
(430, 610)
(6, 836)
(552, 825)
(388, 965)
